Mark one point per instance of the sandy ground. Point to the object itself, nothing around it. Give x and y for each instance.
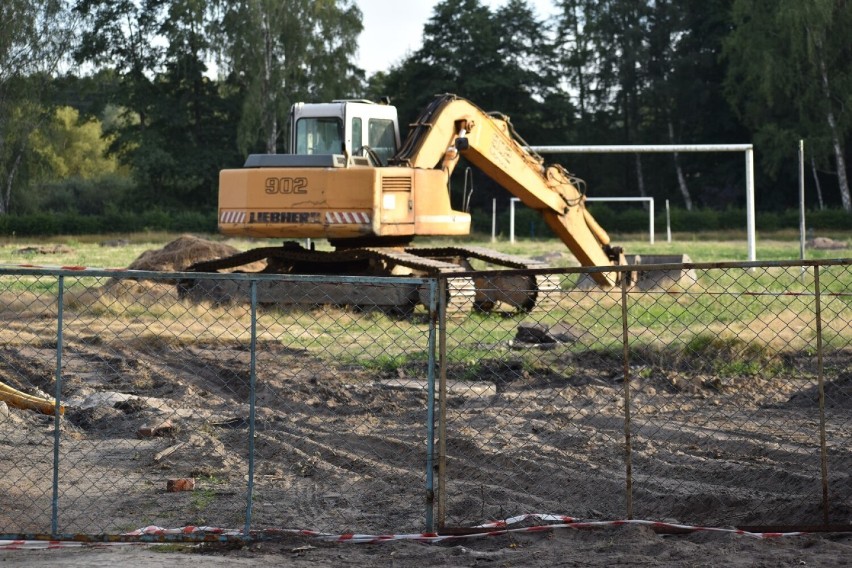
(342, 451)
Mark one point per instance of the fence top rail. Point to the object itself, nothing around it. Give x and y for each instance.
(120, 273)
(668, 266)
(641, 149)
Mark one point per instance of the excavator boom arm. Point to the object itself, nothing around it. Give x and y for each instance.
(450, 126)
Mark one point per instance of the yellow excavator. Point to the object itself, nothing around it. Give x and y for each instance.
(349, 179)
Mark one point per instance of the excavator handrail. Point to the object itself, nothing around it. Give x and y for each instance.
(419, 131)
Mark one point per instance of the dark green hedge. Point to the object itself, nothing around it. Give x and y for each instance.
(635, 220)
(735, 219)
(527, 222)
(51, 224)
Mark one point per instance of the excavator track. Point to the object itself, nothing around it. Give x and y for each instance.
(486, 291)
(293, 259)
(511, 290)
(461, 291)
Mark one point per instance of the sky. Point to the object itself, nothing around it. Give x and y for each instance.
(393, 28)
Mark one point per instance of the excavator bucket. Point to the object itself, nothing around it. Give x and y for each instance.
(665, 277)
(664, 272)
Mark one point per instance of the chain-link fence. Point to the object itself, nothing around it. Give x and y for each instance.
(181, 408)
(708, 394)
(351, 404)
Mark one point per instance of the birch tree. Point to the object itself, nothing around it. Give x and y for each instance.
(789, 77)
(35, 36)
(279, 52)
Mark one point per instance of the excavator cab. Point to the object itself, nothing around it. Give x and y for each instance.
(348, 127)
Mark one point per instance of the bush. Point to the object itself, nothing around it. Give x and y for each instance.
(193, 222)
(528, 223)
(767, 221)
(37, 224)
(696, 220)
(735, 219)
(732, 219)
(632, 221)
(51, 224)
(826, 219)
(155, 221)
(604, 215)
(74, 224)
(75, 195)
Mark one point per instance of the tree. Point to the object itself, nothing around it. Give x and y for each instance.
(189, 130)
(573, 51)
(691, 98)
(279, 52)
(123, 35)
(35, 35)
(618, 29)
(68, 169)
(495, 59)
(789, 77)
(67, 147)
(647, 72)
(664, 30)
(177, 127)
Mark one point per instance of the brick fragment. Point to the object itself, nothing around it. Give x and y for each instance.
(180, 484)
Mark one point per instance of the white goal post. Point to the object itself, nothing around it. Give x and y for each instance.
(747, 149)
(648, 200)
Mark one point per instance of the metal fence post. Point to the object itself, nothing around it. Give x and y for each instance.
(802, 199)
(442, 401)
(823, 451)
(57, 416)
(628, 455)
(252, 399)
(430, 410)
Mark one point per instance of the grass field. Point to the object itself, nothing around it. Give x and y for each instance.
(730, 305)
(701, 247)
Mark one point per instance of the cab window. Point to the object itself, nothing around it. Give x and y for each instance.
(381, 137)
(357, 136)
(322, 135)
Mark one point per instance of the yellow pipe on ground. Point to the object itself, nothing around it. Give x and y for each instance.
(14, 397)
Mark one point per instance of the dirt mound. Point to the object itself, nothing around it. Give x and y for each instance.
(176, 256)
(824, 243)
(838, 394)
(46, 249)
(181, 253)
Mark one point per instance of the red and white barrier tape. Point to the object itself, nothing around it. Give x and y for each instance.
(153, 530)
(498, 528)
(561, 521)
(55, 544)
